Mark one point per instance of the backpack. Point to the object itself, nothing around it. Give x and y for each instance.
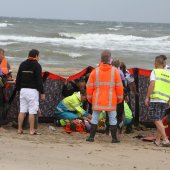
(75, 125)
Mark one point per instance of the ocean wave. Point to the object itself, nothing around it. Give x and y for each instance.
(80, 23)
(7, 43)
(119, 26)
(3, 25)
(69, 54)
(58, 35)
(100, 41)
(114, 29)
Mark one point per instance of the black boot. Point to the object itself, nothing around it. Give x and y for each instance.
(113, 129)
(107, 129)
(92, 133)
(107, 125)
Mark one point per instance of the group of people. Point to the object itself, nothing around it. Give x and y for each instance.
(103, 89)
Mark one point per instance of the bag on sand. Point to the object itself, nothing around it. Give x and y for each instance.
(75, 125)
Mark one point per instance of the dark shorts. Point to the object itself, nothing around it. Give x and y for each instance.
(156, 111)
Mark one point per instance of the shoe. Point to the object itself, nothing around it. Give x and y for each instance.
(157, 143)
(166, 144)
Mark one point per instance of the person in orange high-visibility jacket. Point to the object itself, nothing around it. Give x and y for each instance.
(104, 91)
(4, 65)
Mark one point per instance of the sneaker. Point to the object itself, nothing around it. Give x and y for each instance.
(157, 143)
(166, 144)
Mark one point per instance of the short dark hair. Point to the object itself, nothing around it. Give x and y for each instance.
(83, 92)
(160, 60)
(116, 62)
(33, 53)
(106, 56)
(164, 57)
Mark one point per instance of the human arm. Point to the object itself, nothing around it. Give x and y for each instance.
(39, 81)
(118, 87)
(150, 88)
(149, 92)
(90, 87)
(18, 79)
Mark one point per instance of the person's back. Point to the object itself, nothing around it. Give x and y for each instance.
(104, 91)
(106, 98)
(29, 83)
(30, 75)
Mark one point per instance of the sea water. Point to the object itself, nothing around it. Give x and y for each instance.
(78, 44)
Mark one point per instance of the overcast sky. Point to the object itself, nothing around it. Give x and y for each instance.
(105, 10)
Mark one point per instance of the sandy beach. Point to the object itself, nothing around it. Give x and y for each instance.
(58, 150)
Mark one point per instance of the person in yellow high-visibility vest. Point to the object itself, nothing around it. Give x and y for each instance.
(71, 107)
(158, 98)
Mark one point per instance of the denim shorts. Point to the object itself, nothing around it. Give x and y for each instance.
(156, 111)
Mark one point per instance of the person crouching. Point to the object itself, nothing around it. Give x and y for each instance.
(71, 107)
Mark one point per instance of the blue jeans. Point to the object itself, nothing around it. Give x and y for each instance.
(112, 117)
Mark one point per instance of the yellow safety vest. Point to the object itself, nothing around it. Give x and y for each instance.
(162, 85)
(74, 103)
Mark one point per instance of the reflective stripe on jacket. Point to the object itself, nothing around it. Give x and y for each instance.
(4, 66)
(104, 88)
(74, 103)
(162, 85)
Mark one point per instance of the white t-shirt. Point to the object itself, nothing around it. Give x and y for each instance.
(167, 68)
(129, 77)
(152, 78)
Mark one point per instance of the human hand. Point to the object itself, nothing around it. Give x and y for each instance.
(147, 101)
(43, 97)
(127, 99)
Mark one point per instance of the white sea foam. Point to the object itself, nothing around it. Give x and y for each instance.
(119, 26)
(7, 43)
(114, 29)
(80, 23)
(3, 25)
(75, 55)
(101, 41)
(70, 54)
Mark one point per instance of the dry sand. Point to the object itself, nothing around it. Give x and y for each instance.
(54, 150)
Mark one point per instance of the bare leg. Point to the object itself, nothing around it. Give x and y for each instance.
(161, 130)
(21, 117)
(31, 122)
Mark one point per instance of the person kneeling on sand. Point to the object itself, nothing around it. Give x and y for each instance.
(158, 96)
(29, 82)
(71, 107)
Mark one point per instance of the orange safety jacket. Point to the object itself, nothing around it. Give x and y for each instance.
(104, 88)
(4, 66)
